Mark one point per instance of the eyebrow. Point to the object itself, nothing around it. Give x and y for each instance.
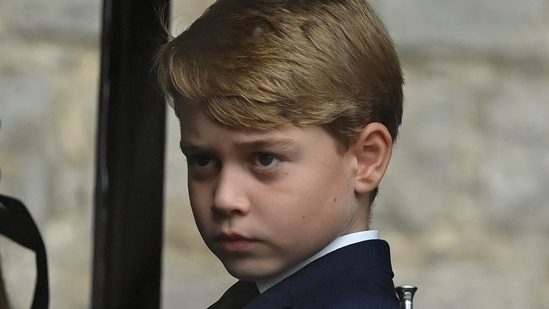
(189, 148)
(267, 143)
(279, 143)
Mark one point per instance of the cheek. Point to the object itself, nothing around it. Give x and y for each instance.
(328, 204)
(200, 204)
(199, 193)
(299, 209)
(313, 191)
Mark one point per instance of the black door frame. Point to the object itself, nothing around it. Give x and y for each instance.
(130, 158)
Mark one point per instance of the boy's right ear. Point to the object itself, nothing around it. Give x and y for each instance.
(372, 150)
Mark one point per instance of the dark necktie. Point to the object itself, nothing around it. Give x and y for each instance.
(237, 296)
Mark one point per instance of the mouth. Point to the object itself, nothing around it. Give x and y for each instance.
(233, 242)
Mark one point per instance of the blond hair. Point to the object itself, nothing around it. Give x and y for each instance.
(267, 63)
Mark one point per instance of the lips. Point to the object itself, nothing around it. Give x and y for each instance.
(233, 242)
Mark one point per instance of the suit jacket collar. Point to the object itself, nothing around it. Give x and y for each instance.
(363, 268)
(237, 296)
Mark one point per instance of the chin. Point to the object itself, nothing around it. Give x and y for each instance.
(248, 272)
(244, 274)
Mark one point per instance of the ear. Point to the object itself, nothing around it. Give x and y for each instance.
(372, 150)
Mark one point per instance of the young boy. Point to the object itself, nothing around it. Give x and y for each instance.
(288, 113)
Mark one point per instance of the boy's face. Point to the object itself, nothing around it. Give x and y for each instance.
(265, 201)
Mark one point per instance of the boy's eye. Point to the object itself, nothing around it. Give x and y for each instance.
(202, 161)
(265, 160)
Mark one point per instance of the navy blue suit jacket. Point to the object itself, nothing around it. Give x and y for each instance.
(352, 277)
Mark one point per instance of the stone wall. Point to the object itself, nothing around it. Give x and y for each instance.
(48, 84)
(464, 204)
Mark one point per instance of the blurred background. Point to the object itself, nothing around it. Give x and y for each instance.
(465, 204)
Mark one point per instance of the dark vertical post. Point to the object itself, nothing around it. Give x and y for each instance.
(130, 158)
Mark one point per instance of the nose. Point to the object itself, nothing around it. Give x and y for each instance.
(230, 196)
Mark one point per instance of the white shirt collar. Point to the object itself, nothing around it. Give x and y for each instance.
(340, 242)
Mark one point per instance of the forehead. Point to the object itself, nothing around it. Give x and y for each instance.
(198, 131)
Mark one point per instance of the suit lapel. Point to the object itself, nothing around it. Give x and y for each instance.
(237, 296)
